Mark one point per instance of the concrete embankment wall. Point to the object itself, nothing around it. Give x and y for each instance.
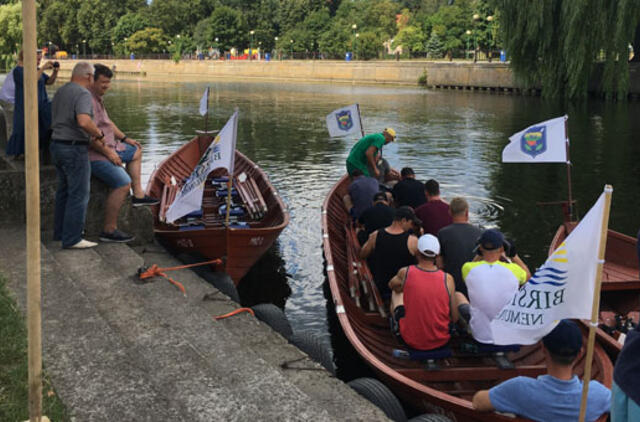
(490, 75)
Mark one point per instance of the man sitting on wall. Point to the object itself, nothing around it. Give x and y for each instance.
(107, 159)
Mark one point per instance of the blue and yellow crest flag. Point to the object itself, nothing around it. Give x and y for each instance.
(562, 288)
(544, 142)
(344, 121)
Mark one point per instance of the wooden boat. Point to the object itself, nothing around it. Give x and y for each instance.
(207, 234)
(447, 390)
(620, 293)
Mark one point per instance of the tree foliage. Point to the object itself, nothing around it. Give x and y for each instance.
(147, 41)
(10, 28)
(559, 43)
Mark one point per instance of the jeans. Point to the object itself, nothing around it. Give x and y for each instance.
(623, 408)
(72, 197)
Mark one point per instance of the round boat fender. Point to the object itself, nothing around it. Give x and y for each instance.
(312, 345)
(273, 316)
(226, 286)
(378, 394)
(430, 417)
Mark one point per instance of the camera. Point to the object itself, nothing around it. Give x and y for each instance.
(56, 64)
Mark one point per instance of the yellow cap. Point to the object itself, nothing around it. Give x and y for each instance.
(391, 132)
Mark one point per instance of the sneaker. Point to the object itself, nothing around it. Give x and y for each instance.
(83, 244)
(116, 236)
(145, 200)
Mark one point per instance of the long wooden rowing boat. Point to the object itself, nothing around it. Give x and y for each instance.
(620, 294)
(241, 243)
(447, 390)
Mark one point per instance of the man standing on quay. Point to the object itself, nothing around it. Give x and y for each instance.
(364, 153)
(72, 128)
(107, 158)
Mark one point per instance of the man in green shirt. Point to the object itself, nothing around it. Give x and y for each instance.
(364, 153)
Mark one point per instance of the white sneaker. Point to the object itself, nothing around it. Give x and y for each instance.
(83, 244)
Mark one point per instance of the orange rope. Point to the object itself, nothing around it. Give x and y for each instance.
(236, 312)
(154, 271)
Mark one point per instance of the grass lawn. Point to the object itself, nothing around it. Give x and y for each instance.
(14, 391)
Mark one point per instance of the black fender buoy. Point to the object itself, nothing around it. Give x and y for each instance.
(312, 345)
(273, 316)
(378, 394)
(430, 417)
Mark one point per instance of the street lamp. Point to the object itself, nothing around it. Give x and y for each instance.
(49, 51)
(490, 20)
(251, 46)
(84, 48)
(113, 45)
(476, 17)
(291, 43)
(356, 50)
(353, 45)
(466, 54)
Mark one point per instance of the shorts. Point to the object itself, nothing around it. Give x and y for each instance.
(112, 175)
(398, 313)
(465, 312)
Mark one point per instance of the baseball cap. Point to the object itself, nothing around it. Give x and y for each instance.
(391, 132)
(564, 340)
(429, 246)
(491, 239)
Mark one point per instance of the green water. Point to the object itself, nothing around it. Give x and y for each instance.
(454, 137)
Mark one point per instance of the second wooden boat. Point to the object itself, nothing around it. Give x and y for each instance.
(256, 223)
(620, 293)
(446, 390)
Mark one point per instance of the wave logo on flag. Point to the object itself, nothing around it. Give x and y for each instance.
(548, 273)
(345, 122)
(534, 141)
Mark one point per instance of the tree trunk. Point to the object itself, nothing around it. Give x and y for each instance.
(636, 45)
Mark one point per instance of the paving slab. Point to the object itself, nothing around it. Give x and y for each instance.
(119, 350)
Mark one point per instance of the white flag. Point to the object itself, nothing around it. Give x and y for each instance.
(220, 154)
(204, 102)
(344, 121)
(544, 142)
(562, 288)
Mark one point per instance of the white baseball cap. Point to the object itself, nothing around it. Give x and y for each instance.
(429, 246)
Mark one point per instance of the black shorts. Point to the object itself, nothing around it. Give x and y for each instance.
(398, 313)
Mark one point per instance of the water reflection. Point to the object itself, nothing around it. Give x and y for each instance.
(453, 136)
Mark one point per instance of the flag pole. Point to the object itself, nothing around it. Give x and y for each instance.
(595, 308)
(206, 115)
(32, 170)
(360, 118)
(569, 190)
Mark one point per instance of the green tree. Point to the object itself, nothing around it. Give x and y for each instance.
(411, 38)
(147, 41)
(336, 40)
(435, 47)
(229, 27)
(58, 23)
(368, 45)
(558, 43)
(129, 24)
(179, 16)
(10, 28)
(450, 24)
(96, 20)
(202, 34)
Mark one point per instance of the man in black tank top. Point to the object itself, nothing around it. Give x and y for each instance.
(389, 249)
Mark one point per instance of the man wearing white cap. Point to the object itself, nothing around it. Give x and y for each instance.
(364, 153)
(422, 299)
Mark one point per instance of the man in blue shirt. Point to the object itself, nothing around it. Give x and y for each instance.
(552, 397)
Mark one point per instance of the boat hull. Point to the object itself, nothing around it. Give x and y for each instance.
(446, 391)
(240, 248)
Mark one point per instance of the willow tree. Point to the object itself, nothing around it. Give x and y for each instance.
(563, 45)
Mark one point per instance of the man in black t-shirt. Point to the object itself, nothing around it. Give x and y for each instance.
(379, 216)
(409, 191)
(457, 241)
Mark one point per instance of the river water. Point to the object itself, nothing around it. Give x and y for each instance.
(455, 137)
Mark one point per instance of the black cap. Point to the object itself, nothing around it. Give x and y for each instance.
(564, 340)
(491, 239)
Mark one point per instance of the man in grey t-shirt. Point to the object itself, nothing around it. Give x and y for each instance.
(457, 241)
(73, 127)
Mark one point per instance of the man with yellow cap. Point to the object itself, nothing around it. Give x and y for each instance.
(364, 153)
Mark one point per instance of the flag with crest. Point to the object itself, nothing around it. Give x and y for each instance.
(544, 142)
(561, 288)
(344, 121)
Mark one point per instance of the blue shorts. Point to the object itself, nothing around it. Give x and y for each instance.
(114, 176)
